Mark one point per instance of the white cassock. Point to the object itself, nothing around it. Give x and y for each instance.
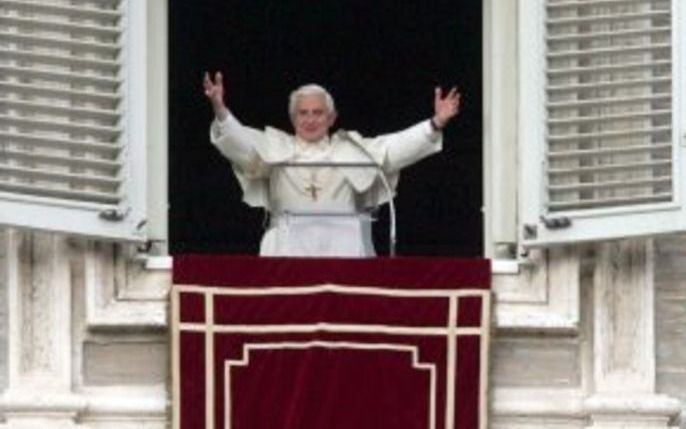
(318, 211)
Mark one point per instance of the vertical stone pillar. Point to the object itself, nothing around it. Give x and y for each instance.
(623, 382)
(39, 393)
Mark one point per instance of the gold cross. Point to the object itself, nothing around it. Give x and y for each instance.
(312, 189)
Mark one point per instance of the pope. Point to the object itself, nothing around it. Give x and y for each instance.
(312, 183)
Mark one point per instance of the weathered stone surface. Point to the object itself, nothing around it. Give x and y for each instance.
(670, 265)
(3, 312)
(535, 362)
(670, 317)
(119, 363)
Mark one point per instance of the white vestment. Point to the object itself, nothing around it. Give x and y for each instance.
(318, 211)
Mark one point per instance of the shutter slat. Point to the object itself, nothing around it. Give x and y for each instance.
(607, 19)
(609, 185)
(104, 132)
(41, 191)
(79, 78)
(9, 156)
(636, 166)
(83, 30)
(84, 12)
(607, 68)
(74, 113)
(602, 35)
(607, 85)
(608, 135)
(56, 176)
(110, 150)
(104, 49)
(622, 150)
(604, 52)
(110, 67)
(552, 6)
(595, 102)
(94, 96)
(579, 120)
(610, 202)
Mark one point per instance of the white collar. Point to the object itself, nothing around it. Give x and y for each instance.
(312, 147)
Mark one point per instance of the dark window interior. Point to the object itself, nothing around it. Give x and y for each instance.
(380, 59)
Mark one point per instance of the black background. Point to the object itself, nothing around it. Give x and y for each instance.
(380, 59)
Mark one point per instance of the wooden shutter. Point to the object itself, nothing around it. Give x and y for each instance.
(609, 104)
(610, 132)
(63, 127)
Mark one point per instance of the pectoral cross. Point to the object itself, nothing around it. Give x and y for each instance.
(313, 189)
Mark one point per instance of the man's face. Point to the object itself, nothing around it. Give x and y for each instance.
(311, 118)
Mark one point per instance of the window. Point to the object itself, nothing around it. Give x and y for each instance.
(600, 120)
(266, 49)
(72, 136)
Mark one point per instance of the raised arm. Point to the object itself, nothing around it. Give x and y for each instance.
(445, 107)
(214, 91)
(408, 146)
(234, 140)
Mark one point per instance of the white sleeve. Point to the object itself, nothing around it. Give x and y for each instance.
(408, 146)
(236, 142)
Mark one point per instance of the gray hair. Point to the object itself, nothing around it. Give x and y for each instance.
(310, 89)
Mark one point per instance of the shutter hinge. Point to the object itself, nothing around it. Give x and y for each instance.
(114, 215)
(556, 222)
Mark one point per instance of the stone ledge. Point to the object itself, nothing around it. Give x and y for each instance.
(106, 404)
(635, 403)
(569, 408)
(538, 403)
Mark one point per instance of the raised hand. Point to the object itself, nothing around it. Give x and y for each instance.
(214, 91)
(445, 107)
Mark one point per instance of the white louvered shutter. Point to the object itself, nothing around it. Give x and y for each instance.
(606, 149)
(66, 142)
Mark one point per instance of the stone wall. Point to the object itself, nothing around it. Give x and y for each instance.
(670, 303)
(531, 361)
(3, 313)
(120, 357)
(88, 347)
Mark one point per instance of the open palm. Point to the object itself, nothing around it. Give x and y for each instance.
(214, 91)
(445, 107)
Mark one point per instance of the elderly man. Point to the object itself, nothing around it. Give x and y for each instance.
(319, 210)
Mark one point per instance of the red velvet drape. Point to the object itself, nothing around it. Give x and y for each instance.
(379, 350)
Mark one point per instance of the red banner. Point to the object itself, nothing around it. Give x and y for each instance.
(266, 343)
